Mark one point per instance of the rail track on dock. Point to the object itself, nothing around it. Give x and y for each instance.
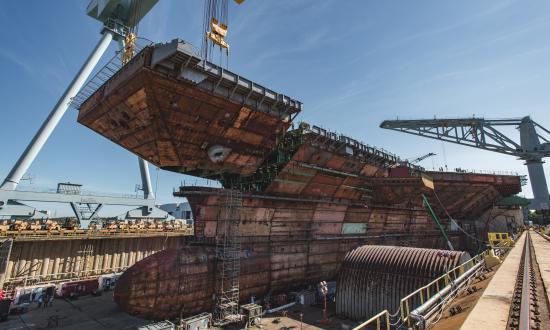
(529, 307)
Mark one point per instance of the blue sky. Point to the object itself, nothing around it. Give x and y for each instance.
(352, 63)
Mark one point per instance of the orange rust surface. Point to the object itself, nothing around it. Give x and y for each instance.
(285, 245)
(314, 172)
(172, 124)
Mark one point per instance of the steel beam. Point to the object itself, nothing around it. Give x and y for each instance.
(85, 222)
(484, 134)
(145, 179)
(541, 199)
(530, 141)
(15, 209)
(471, 132)
(33, 196)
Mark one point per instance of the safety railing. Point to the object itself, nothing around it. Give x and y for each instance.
(90, 233)
(105, 73)
(421, 295)
(490, 172)
(380, 320)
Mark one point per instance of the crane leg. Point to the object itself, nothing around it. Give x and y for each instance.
(541, 200)
(40, 138)
(145, 179)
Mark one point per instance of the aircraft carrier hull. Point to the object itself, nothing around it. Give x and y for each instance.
(308, 195)
(295, 241)
(286, 244)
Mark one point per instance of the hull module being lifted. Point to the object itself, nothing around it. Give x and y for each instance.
(308, 196)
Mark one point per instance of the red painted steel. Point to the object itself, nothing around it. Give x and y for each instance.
(78, 288)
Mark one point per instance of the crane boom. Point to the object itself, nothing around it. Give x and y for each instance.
(421, 158)
(486, 134)
(476, 132)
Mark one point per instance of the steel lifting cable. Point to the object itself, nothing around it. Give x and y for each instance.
(215, 11)
(453, 220)
(398, 323)
(205, 25)
(396, 314)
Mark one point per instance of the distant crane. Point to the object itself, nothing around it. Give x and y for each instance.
(421, 158)
(484, 134)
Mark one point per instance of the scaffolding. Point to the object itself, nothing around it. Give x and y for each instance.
(228, 248)
(5, 252)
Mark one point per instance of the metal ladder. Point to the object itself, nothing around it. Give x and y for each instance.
(228, 247)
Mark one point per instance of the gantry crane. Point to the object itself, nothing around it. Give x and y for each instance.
(485, 134)
(119, 20)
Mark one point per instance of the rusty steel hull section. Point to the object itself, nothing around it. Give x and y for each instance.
(312, 164)
(285, 244)
(375, 278)
(293, 238)
(309, 196)
(176, 111)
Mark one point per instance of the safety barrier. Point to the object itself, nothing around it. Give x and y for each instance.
(382, 318)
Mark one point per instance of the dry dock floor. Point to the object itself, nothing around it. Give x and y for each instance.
(87, 312)
(310, 319)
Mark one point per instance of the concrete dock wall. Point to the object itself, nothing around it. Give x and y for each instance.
(42, 261)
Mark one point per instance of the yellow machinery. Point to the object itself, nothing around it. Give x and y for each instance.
(4, 226)
(36, 225)
(497, 240)
(500, 240)
(218, 33)
(215, 25)
(491, 259)
(128, 48)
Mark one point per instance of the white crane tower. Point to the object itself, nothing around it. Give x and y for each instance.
(119, 18)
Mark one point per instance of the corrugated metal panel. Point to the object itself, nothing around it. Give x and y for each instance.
(374, 277)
